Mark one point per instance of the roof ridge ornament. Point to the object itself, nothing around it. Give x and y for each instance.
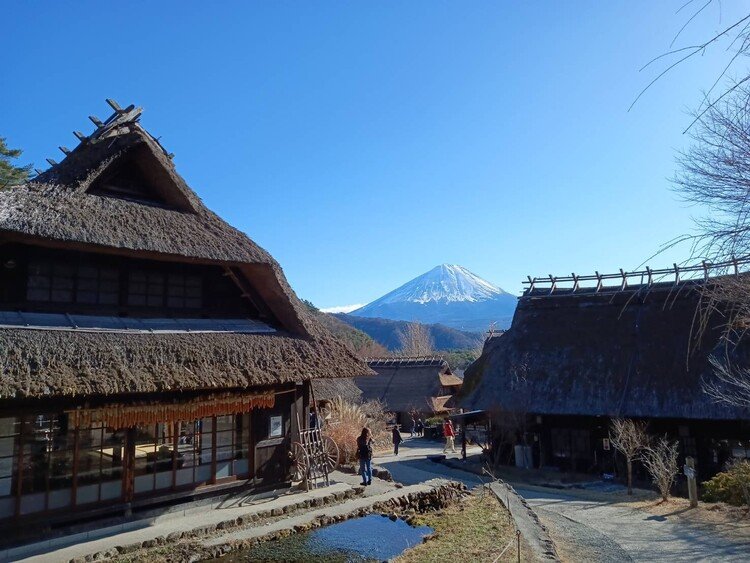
(433, 360)
(633, 281)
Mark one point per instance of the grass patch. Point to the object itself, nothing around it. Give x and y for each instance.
(475, 529)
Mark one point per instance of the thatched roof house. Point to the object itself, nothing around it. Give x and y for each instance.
(326, 390)
(139, 328)
(69, 207)
(627, 351)
(632, 354)
(404, 385)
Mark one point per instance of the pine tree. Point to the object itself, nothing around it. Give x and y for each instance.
(10, 174)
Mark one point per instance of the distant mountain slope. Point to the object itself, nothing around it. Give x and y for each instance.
(361, 343)
(386, 332)
(449, 295)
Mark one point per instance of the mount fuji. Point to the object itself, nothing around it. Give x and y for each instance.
(448, 294)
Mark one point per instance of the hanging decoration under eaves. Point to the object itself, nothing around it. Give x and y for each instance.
(126, 416)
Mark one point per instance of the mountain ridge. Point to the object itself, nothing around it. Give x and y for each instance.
(447, 294)
(386, 332)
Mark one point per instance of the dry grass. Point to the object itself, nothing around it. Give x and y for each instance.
(723, 516)
(346, 421)
(475, 529)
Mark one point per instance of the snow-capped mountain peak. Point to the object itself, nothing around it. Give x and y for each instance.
(448, 294)
(446, 283)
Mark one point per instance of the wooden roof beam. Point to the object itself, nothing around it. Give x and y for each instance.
(113, 104)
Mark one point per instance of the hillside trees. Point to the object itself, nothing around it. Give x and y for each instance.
(416, 340)
(11, 174)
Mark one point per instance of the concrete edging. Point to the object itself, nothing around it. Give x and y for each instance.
(534, 532)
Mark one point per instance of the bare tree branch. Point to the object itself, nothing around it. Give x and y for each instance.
(660, 459)
(416, 340)
(629, 438)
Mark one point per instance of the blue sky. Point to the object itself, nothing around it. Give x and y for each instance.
(364, 143)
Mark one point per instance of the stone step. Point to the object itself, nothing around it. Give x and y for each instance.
(192, 522)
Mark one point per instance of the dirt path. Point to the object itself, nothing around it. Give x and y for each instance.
(592, 531)
(603, 531)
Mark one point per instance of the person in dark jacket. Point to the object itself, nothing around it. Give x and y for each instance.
(397, 439)
(364, 453)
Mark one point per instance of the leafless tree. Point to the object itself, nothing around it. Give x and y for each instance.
(629, 438)
(732, 38)
(660, 459)
(715, 173)
(371, 349)
(416, 340)
(729, 385)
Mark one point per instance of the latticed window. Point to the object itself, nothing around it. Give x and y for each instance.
(184, 291)
(58, 282)
(97, 286)
(146, 289)
(155, 289)
(50, 282)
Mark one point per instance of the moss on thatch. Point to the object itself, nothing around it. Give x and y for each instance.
(329, 389)
(633, 354)
(403, 384)
(58, 362)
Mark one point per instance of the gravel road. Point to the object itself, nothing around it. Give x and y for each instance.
(586, 530)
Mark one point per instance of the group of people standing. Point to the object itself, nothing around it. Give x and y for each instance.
(364, 445)
(417, 427)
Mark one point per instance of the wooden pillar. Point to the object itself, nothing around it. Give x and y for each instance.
(251, 445)
(175, 450)
(463, 440)
(692, 484)
(19, 484)
(213, 450)
(307, 389)
(76, 458)
(128, 462)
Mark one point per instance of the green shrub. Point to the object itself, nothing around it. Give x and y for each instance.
(434, 421)
(731, 486)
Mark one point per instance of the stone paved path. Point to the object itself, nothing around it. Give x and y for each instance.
(591, 531)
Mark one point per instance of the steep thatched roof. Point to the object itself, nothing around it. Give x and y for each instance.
(58, 209)
(406, 383)
(634, 353)
(59, 362)
(64, 207)
(343, 387)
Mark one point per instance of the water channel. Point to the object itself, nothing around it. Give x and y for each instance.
(365, 539)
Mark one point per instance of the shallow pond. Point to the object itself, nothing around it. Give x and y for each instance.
(369, 538)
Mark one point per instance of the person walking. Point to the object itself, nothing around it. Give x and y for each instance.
(364, 453)
(420, 428)
(397, 439)
(413, 427)
(314, 420)
(450, 435)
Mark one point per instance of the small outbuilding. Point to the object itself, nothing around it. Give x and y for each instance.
(422, 387)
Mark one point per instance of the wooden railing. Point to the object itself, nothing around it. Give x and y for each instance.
(405, 360)
(624, 281)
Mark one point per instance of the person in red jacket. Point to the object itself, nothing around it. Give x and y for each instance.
(450, 435)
